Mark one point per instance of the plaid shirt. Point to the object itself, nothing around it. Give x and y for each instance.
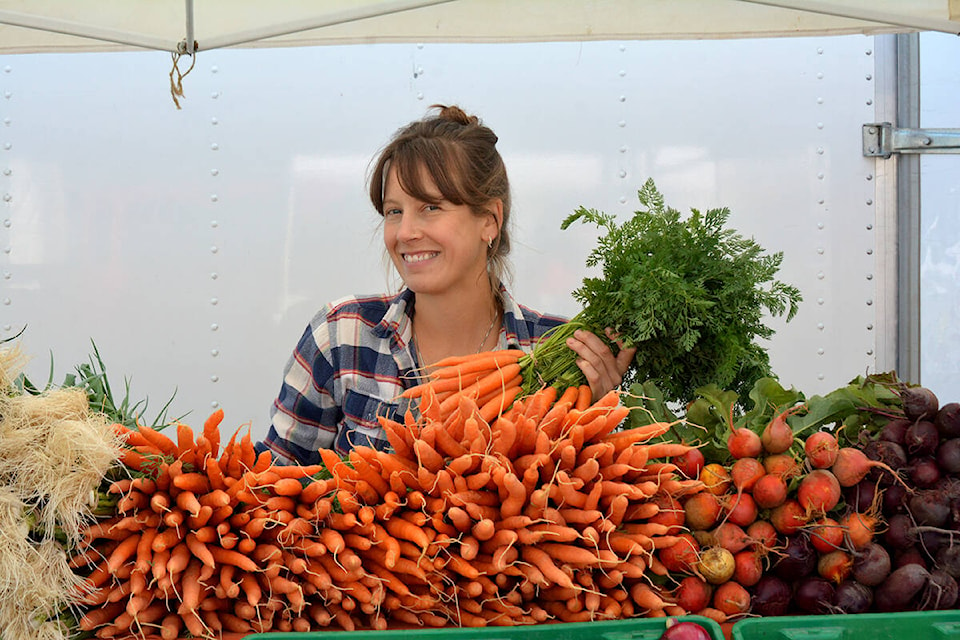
(352, 363)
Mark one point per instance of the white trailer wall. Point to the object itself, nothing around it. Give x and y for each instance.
(192, 246)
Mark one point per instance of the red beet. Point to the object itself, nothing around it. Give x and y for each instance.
(771, 597)
(897, 593)
(685, 630)
(921, 439)
(919, 403)
(895, 431)
(871, 565)
(814, 595)
(948, 420)
(948, 455)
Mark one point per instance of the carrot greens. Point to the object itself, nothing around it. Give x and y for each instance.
(689, 293)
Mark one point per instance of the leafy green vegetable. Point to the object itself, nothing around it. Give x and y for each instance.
(690, 295)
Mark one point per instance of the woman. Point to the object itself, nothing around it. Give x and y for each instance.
(442, 189)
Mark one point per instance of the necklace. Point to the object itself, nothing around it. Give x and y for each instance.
(416, 343)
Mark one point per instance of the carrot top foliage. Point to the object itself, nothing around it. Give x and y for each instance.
(690, 294)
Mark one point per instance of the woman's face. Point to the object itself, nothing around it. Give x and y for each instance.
(437, 247)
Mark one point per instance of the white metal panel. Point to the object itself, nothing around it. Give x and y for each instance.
(940, 222)
(193, 246)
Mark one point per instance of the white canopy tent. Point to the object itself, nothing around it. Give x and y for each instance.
(183, 26)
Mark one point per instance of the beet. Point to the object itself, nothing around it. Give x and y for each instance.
(685, 630)
(924, 472)
(894, 499)
(852, 597)
(771, 596)
(921, 439)
(940, 591)
(871, 565)
(797, 559)
(889, 453)
(900, 533)
(895, 431)
(930, 508)
(948, 559)
(919, 403)
(860, 496)
(814, 595)
(913, 555)
(901, 588)
(948, 455)
(948, 420)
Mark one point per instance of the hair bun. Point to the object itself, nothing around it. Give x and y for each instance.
(456, 114)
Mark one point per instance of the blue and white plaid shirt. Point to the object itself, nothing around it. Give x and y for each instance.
(352, 363)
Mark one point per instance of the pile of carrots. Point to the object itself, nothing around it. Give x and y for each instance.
(491, 509)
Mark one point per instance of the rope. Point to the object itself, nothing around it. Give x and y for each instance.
(176, 85)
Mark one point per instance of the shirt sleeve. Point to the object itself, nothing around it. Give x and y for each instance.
(304, 417)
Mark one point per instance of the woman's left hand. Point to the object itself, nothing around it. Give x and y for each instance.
(603, 370)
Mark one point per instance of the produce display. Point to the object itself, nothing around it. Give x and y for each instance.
(509, 496)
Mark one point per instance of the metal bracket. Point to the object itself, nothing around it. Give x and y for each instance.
(882, 139)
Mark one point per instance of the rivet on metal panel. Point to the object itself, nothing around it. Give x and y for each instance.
(214, 249)
(214, 120)
(820, 275)
(623, 200)
(7, 275)
(214, 301)
(869, 352)
(819, 51)
(869, 52)
(623, 47)
(7, 327)
(623, 148)
(420, 96)
(869, 77)
(869, 252)
(622, 98)
(214, 326)
(819, 100)
(869, 201)
(820, 151)
(7, 121)
(214, 224)
(820, 226)
(215, 404)
(213, 197)
(869, 276)
(419, 45)
(869, 102)
(820, 175)
(214, 172)
(820, 301)
(215, 95)
(8, 223)
(869, 302)
(7, 95)
(7, 302)
(820, 351)
(214, 378)
(214, 69)
(623, 174)
(869, 176)
(214, 275)
(7, 197)
(623, 72)
(870, 227)
(820, 326)
(869, 327)
(214, 352)
(8, 171)
(820, 376)
(7, 146)
(214, 146)
(6, 250)
(819, 125)
(7, 69)
(820, 251)
(622, 123)
(820, 75)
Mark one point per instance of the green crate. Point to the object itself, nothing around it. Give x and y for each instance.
(630, 629)
(910, 625)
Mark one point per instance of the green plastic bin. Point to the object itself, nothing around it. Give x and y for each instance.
(630, 629)
(911, 625)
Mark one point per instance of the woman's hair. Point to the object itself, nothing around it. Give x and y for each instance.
(460, 153)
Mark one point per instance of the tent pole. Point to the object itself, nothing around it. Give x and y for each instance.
(316, 22)
(85, 31)
(858, 13)
(190, 39)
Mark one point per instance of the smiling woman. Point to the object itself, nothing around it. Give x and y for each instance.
(442, 189)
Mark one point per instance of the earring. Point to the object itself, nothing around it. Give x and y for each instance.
(490, 243)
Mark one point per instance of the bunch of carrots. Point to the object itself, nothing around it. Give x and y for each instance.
(491, 509)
